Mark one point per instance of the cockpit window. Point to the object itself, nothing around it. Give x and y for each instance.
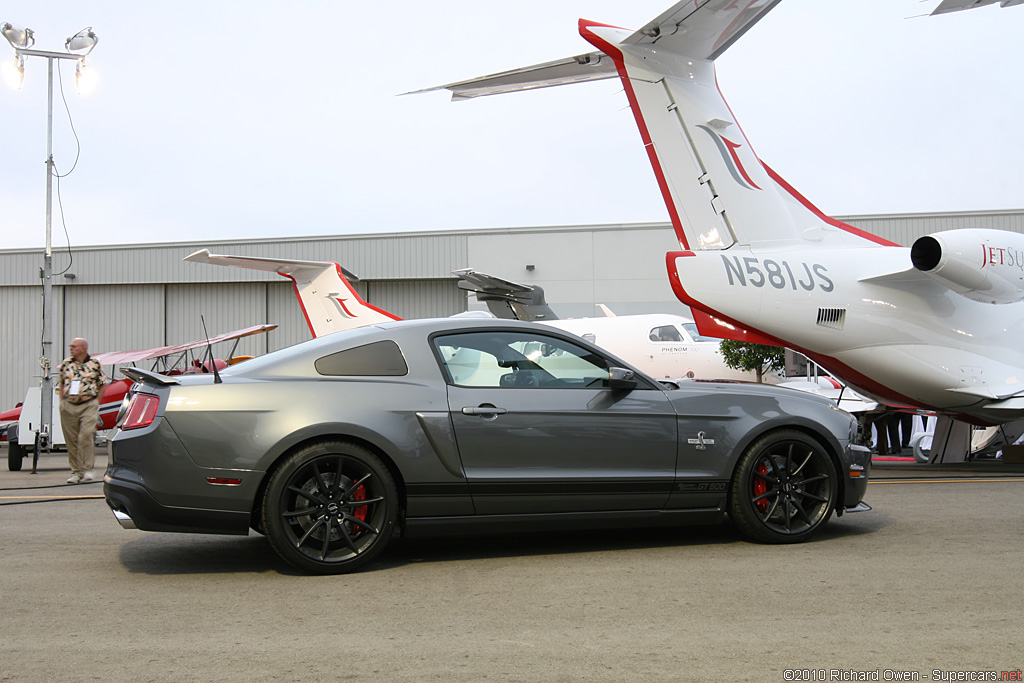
(691, 329)
(665, 333)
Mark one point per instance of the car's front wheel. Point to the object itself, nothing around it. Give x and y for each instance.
(784, 488)
(330, 508)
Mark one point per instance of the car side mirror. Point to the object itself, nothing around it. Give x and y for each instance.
(621, 379)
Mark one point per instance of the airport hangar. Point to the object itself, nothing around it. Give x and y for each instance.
(137, 296)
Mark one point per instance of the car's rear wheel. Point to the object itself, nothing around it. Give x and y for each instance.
(784, 488)
(330, 508)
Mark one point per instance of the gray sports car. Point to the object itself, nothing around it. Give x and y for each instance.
(332, 446)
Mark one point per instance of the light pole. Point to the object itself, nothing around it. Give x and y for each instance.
(77, 46)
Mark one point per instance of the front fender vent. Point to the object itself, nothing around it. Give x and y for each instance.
(834, 318)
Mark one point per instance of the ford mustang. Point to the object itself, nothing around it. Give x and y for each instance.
(333, 446)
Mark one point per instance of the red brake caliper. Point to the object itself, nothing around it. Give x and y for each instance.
(761, 487)
(360, 512)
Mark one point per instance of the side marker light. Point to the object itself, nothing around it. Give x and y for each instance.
(223, 481)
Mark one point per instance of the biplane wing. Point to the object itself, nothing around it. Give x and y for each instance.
(121, 357)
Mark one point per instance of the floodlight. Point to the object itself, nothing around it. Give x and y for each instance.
(77, 46)
(14, 72)
(85, 78)
(18, 37)
(82, 42)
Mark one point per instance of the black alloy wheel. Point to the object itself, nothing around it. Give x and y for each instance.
(330, 508)
(784, 488)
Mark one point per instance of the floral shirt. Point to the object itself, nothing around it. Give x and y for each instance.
(89, 377)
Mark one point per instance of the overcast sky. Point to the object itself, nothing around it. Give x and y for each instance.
(222, 120)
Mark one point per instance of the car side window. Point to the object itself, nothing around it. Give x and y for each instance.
(503, 358)
(382, 358)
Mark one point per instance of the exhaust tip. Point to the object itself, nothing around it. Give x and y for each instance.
(124, 520)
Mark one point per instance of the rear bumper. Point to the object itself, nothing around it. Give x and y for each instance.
(135, 508)
(152, 484)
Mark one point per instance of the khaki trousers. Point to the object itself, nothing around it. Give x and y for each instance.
(78, 422)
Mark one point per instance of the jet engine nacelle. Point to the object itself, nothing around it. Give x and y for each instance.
(982, 265)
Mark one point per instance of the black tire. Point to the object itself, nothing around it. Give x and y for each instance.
(15, 454)
(330, 508)
(784, 488)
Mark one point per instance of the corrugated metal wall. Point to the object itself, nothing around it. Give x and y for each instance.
(111, 317)
(21, 315)
(378, 257)
(283, 310)
(905, 228)
(417, 298)
(139, 296)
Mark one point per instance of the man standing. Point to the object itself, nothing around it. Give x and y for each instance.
(80, 385)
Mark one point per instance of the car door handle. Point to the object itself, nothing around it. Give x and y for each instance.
(484, 411)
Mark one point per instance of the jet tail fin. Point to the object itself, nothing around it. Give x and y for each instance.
(717, 191)
(323, 288)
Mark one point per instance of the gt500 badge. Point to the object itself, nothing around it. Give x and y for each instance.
(701, 442)
(703, 487)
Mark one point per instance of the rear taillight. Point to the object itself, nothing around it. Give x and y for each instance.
(141, 411)
(125, 402)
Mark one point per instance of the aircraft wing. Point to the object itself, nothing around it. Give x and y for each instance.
(296, 269)
(119, 357)
(592, 66)
(957, 5)
(684, 29)
(704, 40)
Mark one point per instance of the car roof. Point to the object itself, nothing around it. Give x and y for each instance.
(298, 358)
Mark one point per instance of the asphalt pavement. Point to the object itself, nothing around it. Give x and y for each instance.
(928, 583)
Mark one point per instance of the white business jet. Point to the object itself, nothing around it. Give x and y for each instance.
(936, 326)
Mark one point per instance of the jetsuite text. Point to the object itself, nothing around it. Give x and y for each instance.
(1002, 256)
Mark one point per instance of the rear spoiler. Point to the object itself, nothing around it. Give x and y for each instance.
(147, 376)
